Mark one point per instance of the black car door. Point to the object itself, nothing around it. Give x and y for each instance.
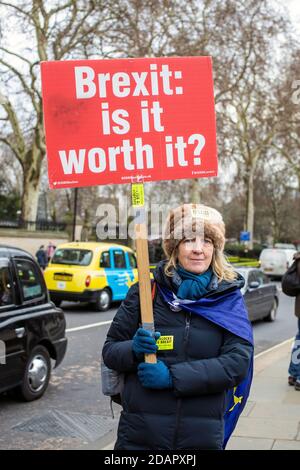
(259, 295)
(12, 347)
(252, 298)
(22, 325)
(266, 293)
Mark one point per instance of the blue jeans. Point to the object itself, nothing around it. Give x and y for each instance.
(294, 368)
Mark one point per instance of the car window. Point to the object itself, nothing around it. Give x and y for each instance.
(29, 279)
(260, 277)
(252, 277)
(119, 259)
(73, 256)
(105, 260)
(132, 260)
(242, 272)
(274, 255)
(6, 291)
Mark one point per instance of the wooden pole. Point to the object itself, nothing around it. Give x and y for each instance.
(137, 191)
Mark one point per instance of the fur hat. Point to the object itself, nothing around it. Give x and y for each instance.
(189, 220)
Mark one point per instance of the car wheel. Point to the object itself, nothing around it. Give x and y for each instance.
(37, 374)
(57, 303)
(103, 301)
(273, 312)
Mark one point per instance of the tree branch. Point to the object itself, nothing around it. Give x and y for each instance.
(20, 76)
(12, 147)
(19, 9)
(15, 54)
(20, 146)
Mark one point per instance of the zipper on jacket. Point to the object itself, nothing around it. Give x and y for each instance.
(188, 318)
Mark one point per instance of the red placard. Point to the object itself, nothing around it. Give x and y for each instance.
(127, 120)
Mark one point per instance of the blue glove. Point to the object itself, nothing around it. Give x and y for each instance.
(144, 342)
(155, 375)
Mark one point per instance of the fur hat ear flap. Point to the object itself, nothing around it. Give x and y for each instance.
(191, 220)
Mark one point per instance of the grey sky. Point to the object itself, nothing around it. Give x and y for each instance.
(294, 8)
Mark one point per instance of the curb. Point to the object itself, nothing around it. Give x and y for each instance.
(106, 442)
(267, 357)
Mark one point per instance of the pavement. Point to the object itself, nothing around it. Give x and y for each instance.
(271, 418)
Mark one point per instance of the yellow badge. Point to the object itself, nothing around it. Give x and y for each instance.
(165, 343)
(137, 194)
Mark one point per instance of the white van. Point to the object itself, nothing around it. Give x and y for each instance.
(275, 262)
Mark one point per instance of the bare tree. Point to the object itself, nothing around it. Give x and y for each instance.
(10, 184)
(249, 124)
(287, 143)
(53, 30)
(239, 36)
(277, 203)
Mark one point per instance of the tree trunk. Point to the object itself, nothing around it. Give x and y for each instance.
(250, 206)
(30, 200)
(31, 181)
(195, 191)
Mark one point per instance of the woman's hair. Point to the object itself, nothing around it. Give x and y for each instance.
(219, 264)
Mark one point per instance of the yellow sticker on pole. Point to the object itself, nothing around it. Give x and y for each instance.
(137, 194)
(165, 343)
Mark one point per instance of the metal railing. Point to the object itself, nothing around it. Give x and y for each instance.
(39, 225)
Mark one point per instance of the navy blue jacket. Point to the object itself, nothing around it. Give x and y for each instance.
(205, 362)
(41, 257)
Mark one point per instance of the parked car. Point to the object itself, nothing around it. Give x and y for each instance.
(274, 261)
(285, 246)
(99, 273)
(32, 329)
(260, 295)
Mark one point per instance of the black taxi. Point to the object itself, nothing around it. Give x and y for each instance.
(32, 329)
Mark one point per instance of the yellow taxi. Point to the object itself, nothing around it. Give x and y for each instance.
(99, 273)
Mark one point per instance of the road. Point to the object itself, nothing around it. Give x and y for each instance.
(73, 413)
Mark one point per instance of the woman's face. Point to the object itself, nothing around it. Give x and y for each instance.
(195, 254)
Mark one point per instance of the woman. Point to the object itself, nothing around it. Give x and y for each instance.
(180, 402)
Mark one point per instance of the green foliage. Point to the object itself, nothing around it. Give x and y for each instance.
(9, 205)
(254, 263)
(238, 250)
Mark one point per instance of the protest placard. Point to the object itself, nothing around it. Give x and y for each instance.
(124, 120)
(129, 121)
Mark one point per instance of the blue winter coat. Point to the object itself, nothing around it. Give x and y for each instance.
(206, 361)
(41, 257)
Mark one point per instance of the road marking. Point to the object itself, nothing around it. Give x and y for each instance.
(290, 340)
(85, 327)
